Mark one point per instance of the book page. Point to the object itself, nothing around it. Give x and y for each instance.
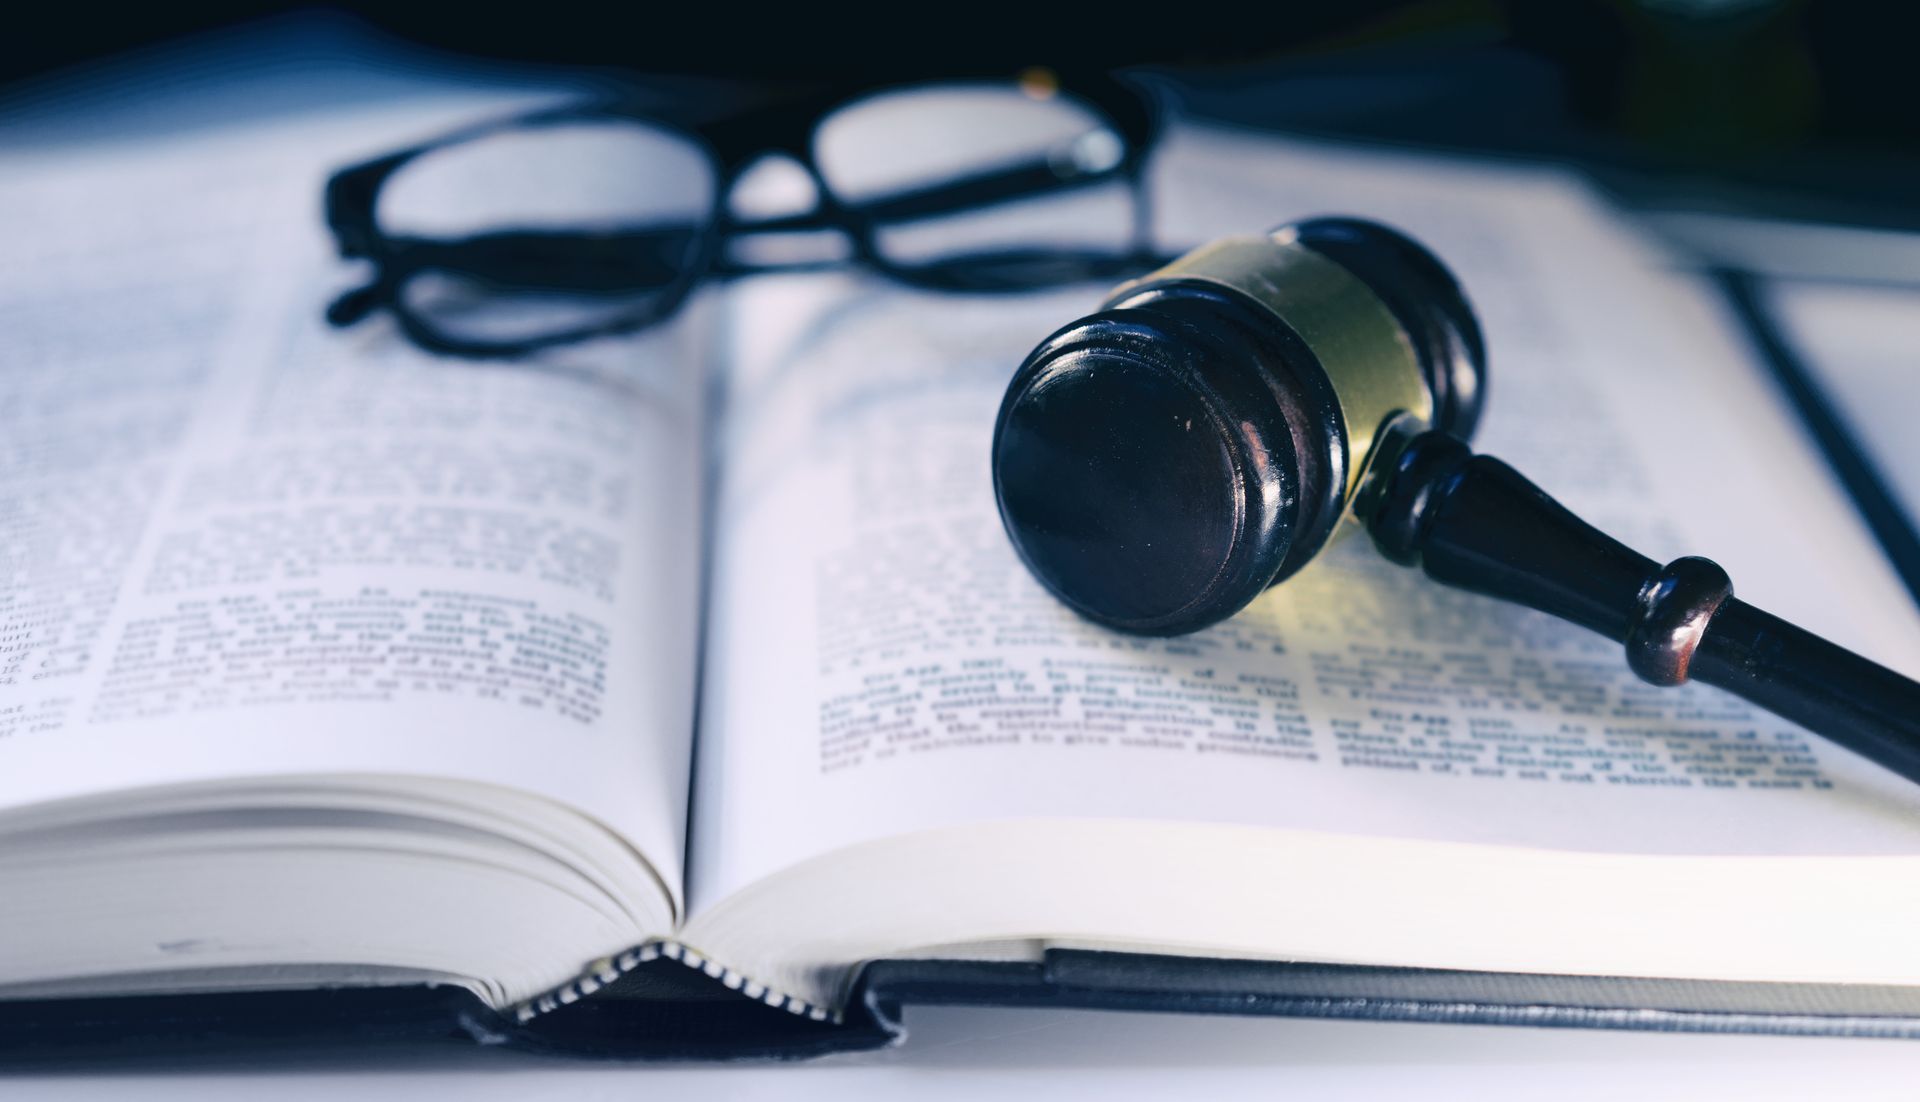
(241, 543)
(1857, 341)
(881, 663)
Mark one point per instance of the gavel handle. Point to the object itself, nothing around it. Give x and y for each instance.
(1473, 522)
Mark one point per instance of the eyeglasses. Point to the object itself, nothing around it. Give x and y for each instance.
(594, 219)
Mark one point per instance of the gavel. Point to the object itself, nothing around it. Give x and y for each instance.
(1162, 462)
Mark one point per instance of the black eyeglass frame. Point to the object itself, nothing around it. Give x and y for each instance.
(607, 260)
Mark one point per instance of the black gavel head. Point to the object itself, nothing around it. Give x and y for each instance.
(1162, 462)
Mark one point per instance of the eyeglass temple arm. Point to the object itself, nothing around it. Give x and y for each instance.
(1012, 182)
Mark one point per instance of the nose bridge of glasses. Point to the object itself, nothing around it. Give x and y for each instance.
(776, 217)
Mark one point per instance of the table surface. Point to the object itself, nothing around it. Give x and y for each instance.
(1017, 1054)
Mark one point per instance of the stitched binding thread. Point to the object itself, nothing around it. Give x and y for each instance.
(603, 972)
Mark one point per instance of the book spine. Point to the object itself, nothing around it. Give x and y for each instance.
(608, 969)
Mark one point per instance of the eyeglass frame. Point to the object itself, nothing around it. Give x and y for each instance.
(730, 144)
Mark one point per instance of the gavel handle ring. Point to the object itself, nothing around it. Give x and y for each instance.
(1475, 523)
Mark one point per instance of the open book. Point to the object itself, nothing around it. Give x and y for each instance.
(328, 664)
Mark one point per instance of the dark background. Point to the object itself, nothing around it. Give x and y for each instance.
(1796, 107)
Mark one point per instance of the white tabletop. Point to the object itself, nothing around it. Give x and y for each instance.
(1017, 1054)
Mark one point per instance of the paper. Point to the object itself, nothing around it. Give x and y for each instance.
(241, 543)
(1858, 341)
(880, 663)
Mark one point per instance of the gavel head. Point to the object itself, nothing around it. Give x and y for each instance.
(1162, 462)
